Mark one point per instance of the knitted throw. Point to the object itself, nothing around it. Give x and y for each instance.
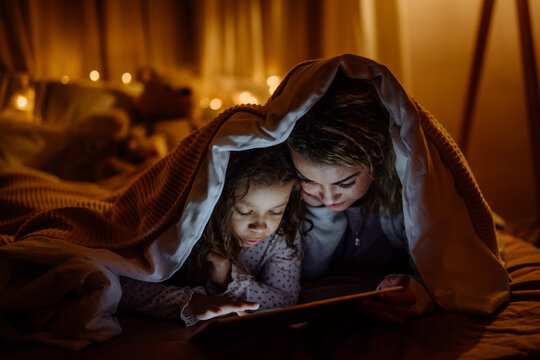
(143, 225)
(114, 215)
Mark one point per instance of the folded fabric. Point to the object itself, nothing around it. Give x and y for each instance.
(146, 228)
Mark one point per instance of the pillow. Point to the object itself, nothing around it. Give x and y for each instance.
(69, 104)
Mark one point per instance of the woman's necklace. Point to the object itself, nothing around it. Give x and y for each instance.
(360, 220)
(357, 236)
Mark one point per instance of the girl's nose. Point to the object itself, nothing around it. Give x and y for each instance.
(258, 225)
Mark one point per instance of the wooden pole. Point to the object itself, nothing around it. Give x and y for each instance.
(476, 71)
(530, 77)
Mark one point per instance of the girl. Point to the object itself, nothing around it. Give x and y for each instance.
(249, 255)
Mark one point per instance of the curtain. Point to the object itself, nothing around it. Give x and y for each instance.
(63, 37)
(222, 44)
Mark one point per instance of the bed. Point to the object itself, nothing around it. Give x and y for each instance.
(513, 332)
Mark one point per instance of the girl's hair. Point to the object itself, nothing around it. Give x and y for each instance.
(349, 126)
(266, 166)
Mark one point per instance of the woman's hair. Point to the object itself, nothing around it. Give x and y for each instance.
(267, 167)
(349, 126)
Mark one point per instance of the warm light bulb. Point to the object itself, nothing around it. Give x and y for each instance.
(204, 102)
(64, 79)
(246, 97)
(24, 100)
(21, 102)
(94, 75)
(272, 82)
(126, 78)
(215, 104)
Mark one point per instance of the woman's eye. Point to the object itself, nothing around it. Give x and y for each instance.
(347, 185)
(243, 213)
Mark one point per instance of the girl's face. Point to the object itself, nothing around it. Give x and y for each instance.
(336, 186)
(258, 214)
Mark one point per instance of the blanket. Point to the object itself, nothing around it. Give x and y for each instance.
(65, 244)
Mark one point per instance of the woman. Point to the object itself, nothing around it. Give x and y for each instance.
(342, 151)
(373, 167)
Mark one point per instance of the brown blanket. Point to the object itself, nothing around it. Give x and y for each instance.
(111, 215)
(67, 243)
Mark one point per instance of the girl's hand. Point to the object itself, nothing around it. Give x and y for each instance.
(395, 306)
(219, 269)
(206, 307)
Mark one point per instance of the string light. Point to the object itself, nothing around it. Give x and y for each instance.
(21, 102)
(215, 104)
(126, 78)
(246, 97)
(24, 100)
(64, 79)
(272, 82)
(94, 75)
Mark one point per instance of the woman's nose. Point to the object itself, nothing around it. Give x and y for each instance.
(328, 196)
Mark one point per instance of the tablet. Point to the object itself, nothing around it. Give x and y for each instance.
(278, 317)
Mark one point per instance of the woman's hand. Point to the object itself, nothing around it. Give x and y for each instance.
(206, 307)
(395, 306)
(219, 269)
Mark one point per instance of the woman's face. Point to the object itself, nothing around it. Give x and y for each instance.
(258, 214)
(335, 186)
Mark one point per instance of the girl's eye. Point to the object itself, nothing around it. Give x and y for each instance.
(243, 213)
(348, 185)
(276, 213)
(305, 181)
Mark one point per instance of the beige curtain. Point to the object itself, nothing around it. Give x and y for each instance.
(63, 37)
(231, 43)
